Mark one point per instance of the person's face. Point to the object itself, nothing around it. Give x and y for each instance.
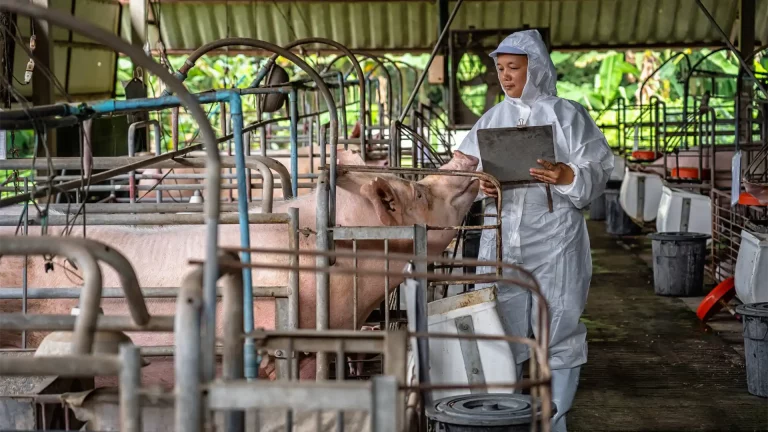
(512, 70)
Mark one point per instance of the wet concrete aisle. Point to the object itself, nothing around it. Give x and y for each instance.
(652, 365)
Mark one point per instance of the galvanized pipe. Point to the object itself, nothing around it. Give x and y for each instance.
(20, 321)
(96, 178)
(294, 113)
(293, 284)
(233, 361)
(355, 65)
(132, 148)
(70, 366)
(151, 219)
(117, 208)
(251, 162)
(76, 250)
(322, 306)
(130, 385)
(147, 293)
(187, 359)
(140, 59)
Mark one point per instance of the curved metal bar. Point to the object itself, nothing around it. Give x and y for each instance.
(189, 63)
(701, 60)
(757, 51)
(132, 152)
(400, 78)
(352, 59)
(85, 253)
(187, 336)
(208, 137)
(389, 81)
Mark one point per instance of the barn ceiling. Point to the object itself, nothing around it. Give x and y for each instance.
(87, 69)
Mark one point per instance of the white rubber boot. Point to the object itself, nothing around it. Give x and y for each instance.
(564, 385)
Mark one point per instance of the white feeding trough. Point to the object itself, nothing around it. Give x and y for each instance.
(468, 361)
(619, 165)
(681, 211)
(751, 278)
(640, 194)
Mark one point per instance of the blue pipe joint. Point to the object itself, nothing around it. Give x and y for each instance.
(181, 76)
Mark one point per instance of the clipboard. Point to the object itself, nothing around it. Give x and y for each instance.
(509, 153)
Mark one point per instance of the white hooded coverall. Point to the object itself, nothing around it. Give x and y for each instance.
(553, 246)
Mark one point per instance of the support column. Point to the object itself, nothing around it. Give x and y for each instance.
(746, 47)
(42, 87)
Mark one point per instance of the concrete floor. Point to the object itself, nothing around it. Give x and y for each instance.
(653, 366)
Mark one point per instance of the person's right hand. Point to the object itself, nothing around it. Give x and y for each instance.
(488, 188)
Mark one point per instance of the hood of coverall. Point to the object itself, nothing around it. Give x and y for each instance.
(542, 76)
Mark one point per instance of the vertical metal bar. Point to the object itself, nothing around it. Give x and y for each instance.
(175, 128)
(236, 114)
(384, 404)
(420, 250)
(386, 285)
(233, 349)
(24, 271)
(130, 383)
(291, 376)
(355, 325)
(294, 114)
(340, 361)
(310, 135)
(282, 365)
(293, 285)
(396, 365)
(224, 131)
(247, 144)
(188, 413)
(322, 311)
(343, 102)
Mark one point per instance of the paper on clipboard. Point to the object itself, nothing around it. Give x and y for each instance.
(509, 153)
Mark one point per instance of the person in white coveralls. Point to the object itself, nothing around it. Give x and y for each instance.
(553, 245)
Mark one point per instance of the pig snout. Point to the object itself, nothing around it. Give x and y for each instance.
(461, 162)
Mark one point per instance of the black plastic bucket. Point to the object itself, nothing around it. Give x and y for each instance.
(617, 222)
(755, 321)
(484, 412)
(597, 209)
(678, 263)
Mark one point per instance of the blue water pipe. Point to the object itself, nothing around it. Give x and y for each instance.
(294, 113)
(233, 97)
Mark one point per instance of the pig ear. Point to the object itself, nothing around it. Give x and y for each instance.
(385, 202)
(348, 157)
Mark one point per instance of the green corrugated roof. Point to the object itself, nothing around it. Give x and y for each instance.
(377, 25)
(412, 25)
